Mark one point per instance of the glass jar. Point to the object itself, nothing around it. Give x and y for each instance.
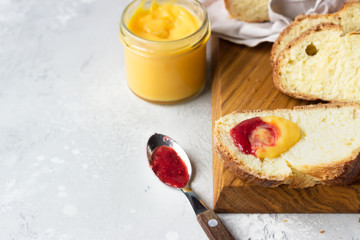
(166, 71)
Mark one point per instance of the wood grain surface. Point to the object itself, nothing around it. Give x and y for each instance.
(242, 80)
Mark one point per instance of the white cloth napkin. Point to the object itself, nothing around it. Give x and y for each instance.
(251, 34)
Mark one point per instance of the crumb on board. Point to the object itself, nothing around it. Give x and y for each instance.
(285, 220)
(322, 231)
(359, 219)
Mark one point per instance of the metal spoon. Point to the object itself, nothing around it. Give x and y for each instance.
(208, 220)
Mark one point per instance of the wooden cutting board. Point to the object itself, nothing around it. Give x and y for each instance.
(242, 80)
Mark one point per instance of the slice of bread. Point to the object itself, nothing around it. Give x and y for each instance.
(248, 10)
(348, 17)
(321, 64)
(327, 152)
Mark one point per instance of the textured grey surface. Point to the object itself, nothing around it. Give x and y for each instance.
(72, 139)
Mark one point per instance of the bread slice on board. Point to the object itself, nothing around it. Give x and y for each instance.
(327, 152)
(248, 10)
(321, 64)
(348, 17)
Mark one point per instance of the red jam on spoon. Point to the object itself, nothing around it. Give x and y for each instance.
(169, 167)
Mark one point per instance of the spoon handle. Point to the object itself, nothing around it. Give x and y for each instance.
(212, 226)
(210, 223)
(194, 200)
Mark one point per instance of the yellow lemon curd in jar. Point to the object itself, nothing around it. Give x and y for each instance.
(171, 65)
(287, 133)
(163, 22)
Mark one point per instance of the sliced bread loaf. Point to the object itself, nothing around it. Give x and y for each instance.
(248, 10)
(321, 64)
(327, 152)
(348, 17)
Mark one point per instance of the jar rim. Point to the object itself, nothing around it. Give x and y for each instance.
(203, 25)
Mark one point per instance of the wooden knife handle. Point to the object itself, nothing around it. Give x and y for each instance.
(212, 226)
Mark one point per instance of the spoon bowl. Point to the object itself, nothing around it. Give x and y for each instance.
(158, 140)
(208, 220)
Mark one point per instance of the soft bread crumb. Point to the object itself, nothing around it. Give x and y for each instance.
(321, 64)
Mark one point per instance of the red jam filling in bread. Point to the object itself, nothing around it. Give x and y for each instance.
(265, 137)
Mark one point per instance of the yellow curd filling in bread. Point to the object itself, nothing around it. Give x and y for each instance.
(288, 134)
(265, 137)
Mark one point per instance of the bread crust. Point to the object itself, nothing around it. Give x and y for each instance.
(256, 20)
(298, 20)
(343, 172)
(350, 171)
(243, 172)
(276, 67)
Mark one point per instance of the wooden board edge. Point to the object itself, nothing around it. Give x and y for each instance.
(302, 198)
(215, 114)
